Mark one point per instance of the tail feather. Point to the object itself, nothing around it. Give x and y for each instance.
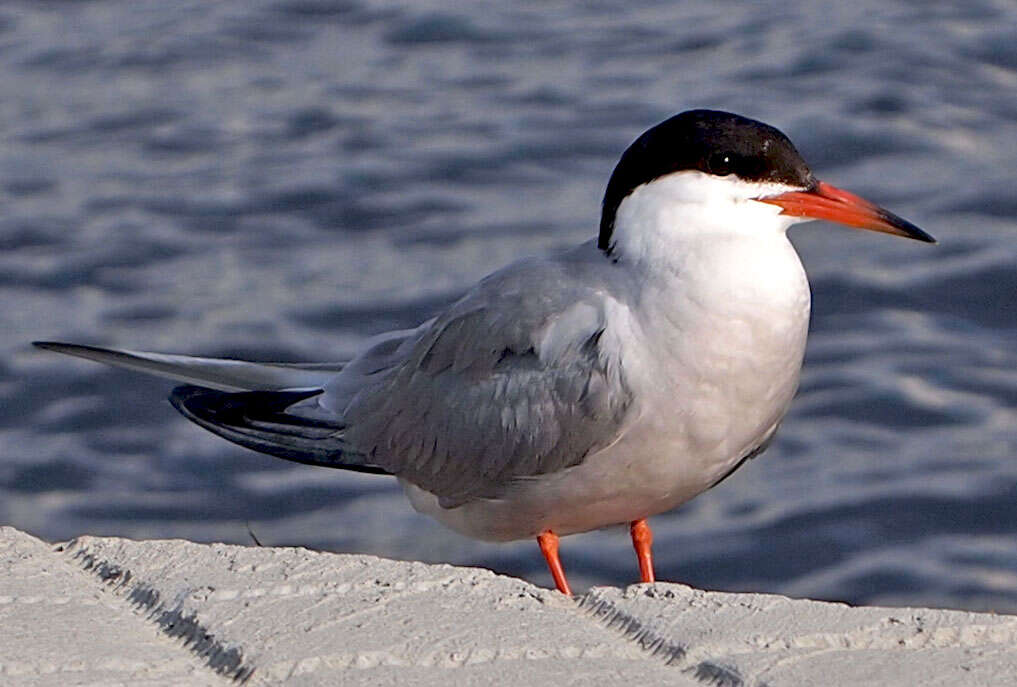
(213, 373)
(256, 405)
(259, 420)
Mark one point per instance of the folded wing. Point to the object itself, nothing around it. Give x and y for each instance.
(511, 383)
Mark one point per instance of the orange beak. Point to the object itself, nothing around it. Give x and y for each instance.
(836, 205)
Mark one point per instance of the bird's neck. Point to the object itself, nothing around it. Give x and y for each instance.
(694, 249)
(663, 224)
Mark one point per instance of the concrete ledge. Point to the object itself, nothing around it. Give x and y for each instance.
(113, 611)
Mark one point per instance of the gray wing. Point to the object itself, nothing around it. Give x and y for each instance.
(513, 381)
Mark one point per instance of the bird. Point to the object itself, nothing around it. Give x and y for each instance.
(597, 386)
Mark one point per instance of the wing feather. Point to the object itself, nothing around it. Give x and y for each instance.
(510, 383)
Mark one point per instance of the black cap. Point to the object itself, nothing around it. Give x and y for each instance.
(709, 141)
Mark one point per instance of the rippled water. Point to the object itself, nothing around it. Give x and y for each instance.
(279, 180)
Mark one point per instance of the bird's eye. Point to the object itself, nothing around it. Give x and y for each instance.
(720, 164)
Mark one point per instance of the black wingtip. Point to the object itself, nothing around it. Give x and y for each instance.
(258, 420)
(219, 406)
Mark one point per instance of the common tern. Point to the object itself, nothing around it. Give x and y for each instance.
(603, 385)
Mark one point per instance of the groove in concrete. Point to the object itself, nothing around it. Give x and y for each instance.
(223, 659)
(657, 645)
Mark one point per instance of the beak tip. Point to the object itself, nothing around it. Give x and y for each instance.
(909, 230)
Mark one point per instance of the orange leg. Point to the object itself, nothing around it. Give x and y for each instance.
(642, 541)
(548, 541)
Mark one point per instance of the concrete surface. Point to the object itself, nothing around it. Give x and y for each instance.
(105, 611)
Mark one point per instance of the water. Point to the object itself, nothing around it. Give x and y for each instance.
(279, 180)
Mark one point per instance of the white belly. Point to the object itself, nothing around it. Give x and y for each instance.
(712, 369)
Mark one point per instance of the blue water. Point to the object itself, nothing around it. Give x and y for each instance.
(279, 180)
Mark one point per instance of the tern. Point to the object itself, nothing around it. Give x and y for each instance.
(599, 386)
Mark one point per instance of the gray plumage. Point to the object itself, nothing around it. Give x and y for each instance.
(510, 382)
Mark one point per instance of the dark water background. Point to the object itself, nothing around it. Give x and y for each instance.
(280, 179)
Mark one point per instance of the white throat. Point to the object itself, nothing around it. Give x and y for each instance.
(680, 210)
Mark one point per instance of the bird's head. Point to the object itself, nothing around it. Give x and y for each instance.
(732, 169)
